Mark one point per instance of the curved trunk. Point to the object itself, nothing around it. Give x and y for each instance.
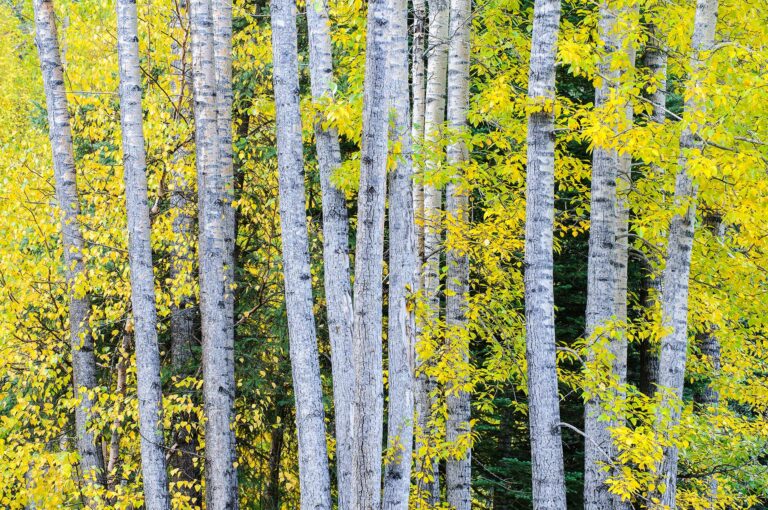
(402, 275)
(338, 292)
(314, 479)
(84, 377)
(543, 398)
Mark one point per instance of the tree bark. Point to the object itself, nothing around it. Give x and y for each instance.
(601, 273)
(674, 307)
(338, 291)
(314, 478)
(84, 376)
(458, 469)
(543, 407)
(434, 116)
(149, 386)
(403, 272)
(368, 408)
(214, 254)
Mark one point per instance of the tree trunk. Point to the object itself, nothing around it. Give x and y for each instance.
(272, 492)
(680, 243)
(184, 472)
(403, 272)
(458, 469)
(368, 408)
(601, 275)
(84, 376)
(214, 256)
(543, 397)
(149, 386)
(314, 478)
(434, 116)
(113, 463)
(338, 292)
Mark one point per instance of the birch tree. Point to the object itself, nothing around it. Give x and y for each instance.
(218, 347)
(458, 472)
(338, 291)
(674, 304)
(543, 399)
(434, 116)
(314, 479)
(402, 273)
(368, 408)
(601, 273)
(84, 376)
(149, 385)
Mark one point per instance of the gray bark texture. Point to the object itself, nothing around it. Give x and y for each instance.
(434, 117)
(601, 273)
(149, 386)
(543, 397)
(314, 478)
(338, 291)
(418, 77)
(403, 273)
(84, 377)
(674, 305)
(214, 254)
(458, 470)
(368, 408)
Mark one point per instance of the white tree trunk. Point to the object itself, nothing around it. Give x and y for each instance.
(674, 307)
(434, 116)
(83, 358)
(458, 470)
(314, 478)
(338, 292)
(368, 408)
(149, 385)
(543, 397)
(402, 273)
(601, 273)
(213, 255)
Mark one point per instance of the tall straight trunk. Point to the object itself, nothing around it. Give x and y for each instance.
(213, 255)
(149, 385)
(601, 272)
(272, 492)
(403, 270)
(655, 60)
(458, 469)
(434, 116)
(368, 407)
(184, 472)
(338, 291)
(113, 460)
(674, 304)
(314, 479)
(84, 376)
(543, 398)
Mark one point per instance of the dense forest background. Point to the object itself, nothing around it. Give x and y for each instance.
(723, 442)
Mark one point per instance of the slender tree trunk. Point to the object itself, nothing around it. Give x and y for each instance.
(458, 469)
(403, 273)
(149, 386)
(678, 265)
(338, 291)
(184, 472)
(272, 492)
(601, 273)
(113, 463)
(314, 478)
(368, 408)
(655, 61)
(543, 397)
(434, 116)
(214, 253)
(84, 376)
